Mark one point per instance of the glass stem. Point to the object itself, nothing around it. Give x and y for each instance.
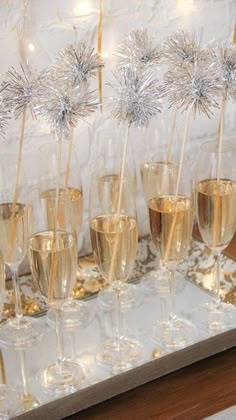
(217, 300)
(73, 345)
(24, 373)
(60, 344)
(162, 309)
(163, 293)
(172, 315)
(117, 317)
(16, 287)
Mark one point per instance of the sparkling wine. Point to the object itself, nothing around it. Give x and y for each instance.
(76, 207)
(216, 211)
(16, 223)
(155, 179)
(109, 186)
(114, 238)
(48, 254)
(166, 212)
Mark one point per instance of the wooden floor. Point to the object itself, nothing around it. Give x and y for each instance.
(192, 393)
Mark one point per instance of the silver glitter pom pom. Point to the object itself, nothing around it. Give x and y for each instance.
(225, 60)
(198, 88)
(63, 109)
(138, 96)
(76, 63)
(4, 115)
(4, 118)
(181, 48)
(140, 50)
(20, 89)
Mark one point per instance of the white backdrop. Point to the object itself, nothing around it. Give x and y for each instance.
(51, 24)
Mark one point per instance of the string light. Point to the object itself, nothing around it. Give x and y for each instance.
(186, 6)
(104, 54)
(31, 47)
(83, 8)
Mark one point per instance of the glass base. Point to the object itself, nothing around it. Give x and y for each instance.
(76, 313)
(58, 382)
(9, 402)
(20, 333)
(119, 355)
(130, 297)
(28, 402)
(174, 335)
(155, 283)
(217, 317)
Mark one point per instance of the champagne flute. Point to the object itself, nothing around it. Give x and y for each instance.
(19, 331)
(109, 151)
(159, 141)
(53, 261)
(114, 238)
(171, 215)
(9, 399)
(215, 202)
(154, 282)
(75, 312)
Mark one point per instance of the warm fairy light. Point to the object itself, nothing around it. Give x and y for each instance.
(31, 46)
(186, 6)
(104, 54)
(156, 353)
(83, 8)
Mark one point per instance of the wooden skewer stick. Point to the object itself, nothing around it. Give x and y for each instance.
(100, 26)
(70, 148)
(216, 221)
(16, 191)
(234, 34)
(3, 370)
(122, 172)
(121, 179)
(224, 98)
(221, 135)
(53, 270)
(171, 135)
(172, 228)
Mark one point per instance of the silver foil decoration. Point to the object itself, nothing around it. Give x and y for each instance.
(199, 88)
(224, 57)
(4, 118)
(20, 89)
(181, 48)
(140, 50)
(63, 109)
(137, 96)
(76, 63)
(4, 114)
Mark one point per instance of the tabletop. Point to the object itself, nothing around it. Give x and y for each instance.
(191, 393)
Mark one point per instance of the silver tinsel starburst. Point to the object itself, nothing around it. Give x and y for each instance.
(138, 96)
(140, 50)
(63, 109)
(225, 60)
(20, 89)
(4, 115)
(4, 118)
(76, 63)
(181, 48)
(199, 88)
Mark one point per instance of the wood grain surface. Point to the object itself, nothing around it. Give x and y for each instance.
(192, 393)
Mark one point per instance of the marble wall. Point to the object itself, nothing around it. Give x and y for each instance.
(51, 24)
